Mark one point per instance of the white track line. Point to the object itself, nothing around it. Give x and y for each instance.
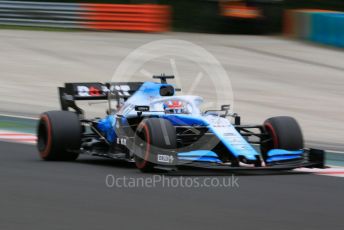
(335, 151)
(17, 116)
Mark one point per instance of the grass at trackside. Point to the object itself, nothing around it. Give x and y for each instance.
(34, 28)
(336, 159)
(5, 124)
(18, 125)
(11, 126)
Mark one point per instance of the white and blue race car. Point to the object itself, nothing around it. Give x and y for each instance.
(158, 130)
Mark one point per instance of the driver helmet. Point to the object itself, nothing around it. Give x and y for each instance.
(174, 107)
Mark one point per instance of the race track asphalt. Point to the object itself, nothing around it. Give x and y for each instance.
(73, 195)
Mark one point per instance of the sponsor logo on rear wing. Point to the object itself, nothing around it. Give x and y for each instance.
(99, 91)
(86, 91)
(94, 91)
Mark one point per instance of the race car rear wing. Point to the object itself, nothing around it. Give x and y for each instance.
(72, 92)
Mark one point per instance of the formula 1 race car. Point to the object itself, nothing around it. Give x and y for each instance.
(158, 130)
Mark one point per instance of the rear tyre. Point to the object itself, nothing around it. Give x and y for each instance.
(283, 133)
(153, 136)
(59, 136)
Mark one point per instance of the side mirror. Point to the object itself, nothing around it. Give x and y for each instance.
(237, 120)
(225, 107)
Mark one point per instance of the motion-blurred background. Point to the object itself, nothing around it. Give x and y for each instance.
(212, 16)
(271, 74)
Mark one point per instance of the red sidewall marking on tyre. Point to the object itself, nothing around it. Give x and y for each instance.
(47, 149)
(269, 126)
(147, 152)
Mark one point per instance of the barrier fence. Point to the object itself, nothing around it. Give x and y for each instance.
(124, 17)
(326, 27)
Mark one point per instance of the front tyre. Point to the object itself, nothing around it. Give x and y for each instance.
(59, 136)
(154, 136)
(283, 133)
